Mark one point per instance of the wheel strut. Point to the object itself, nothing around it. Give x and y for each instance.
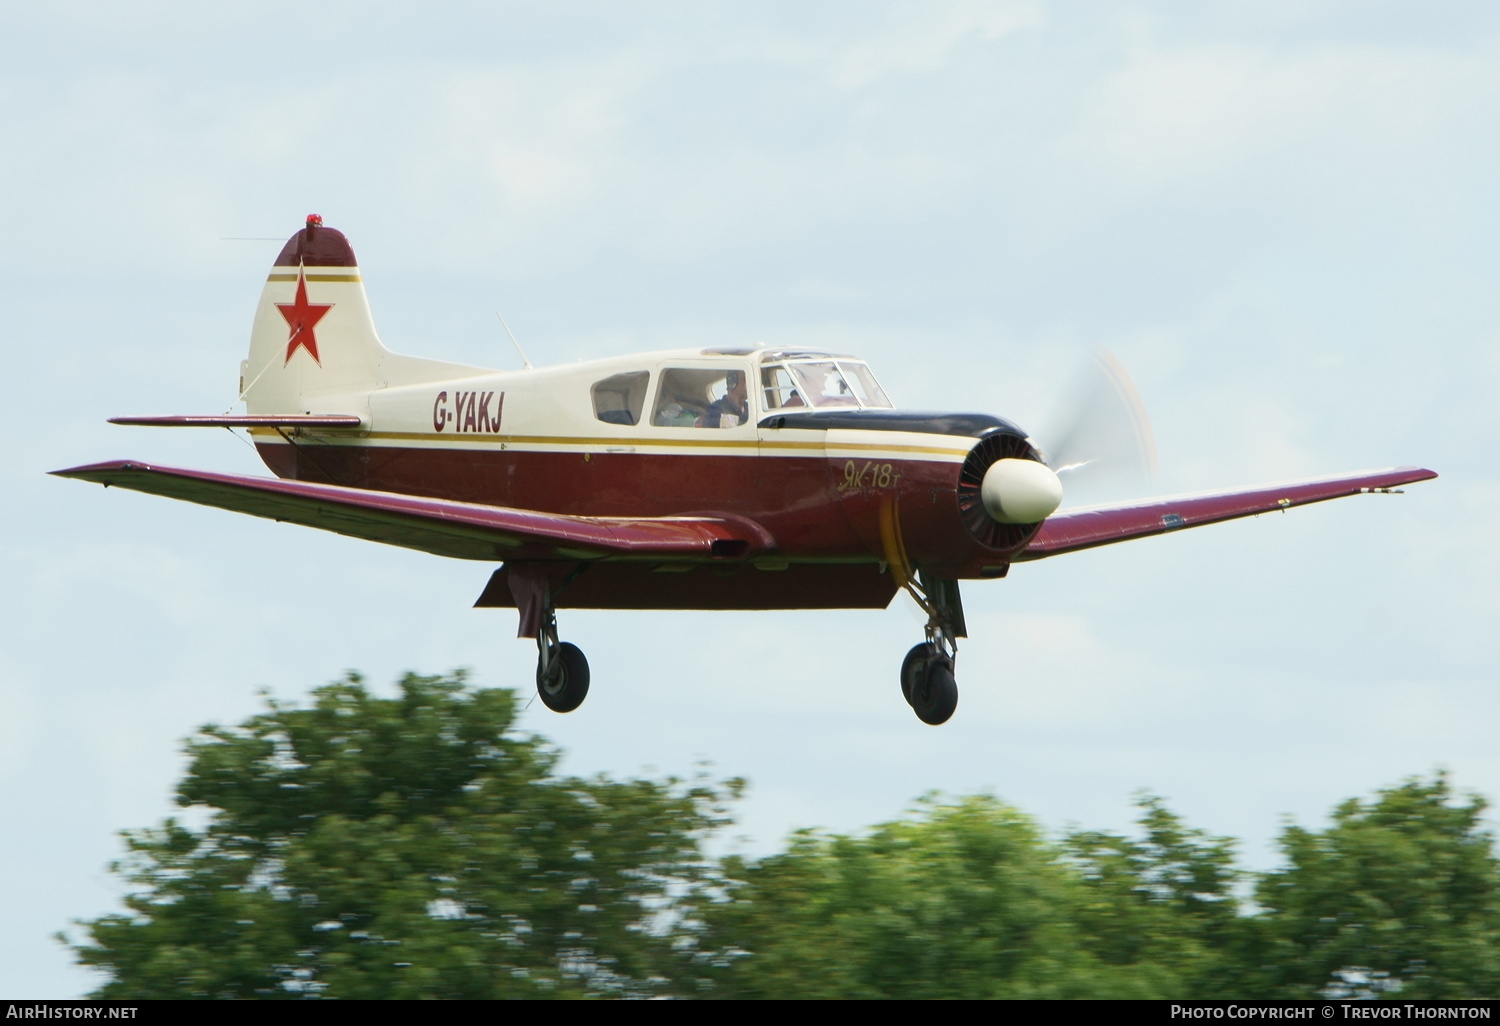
(547, 645)
(562, 672)
(927, 681)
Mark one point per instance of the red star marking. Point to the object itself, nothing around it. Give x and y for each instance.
(301, 316)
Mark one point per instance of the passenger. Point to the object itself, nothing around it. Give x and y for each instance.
(732, 410)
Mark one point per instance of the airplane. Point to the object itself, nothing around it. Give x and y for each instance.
(722, 477)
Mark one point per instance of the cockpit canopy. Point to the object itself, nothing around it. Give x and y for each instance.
(706, 390)
(820, 383)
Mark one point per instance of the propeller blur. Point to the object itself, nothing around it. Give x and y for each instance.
(1100, 437)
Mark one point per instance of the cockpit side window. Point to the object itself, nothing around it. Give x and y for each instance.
(779, 389)
(620, 398)
(705, 397)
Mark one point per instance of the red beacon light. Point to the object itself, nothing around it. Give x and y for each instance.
(315, 220)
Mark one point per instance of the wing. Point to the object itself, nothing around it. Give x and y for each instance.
(1104, 525)
(463, 530)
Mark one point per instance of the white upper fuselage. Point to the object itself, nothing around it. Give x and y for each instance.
(560, 409)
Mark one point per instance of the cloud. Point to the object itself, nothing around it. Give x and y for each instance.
(1172, 116)
(20, 719)
(123, 572)
(922, 39)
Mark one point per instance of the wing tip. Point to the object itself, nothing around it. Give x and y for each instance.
(90, 471)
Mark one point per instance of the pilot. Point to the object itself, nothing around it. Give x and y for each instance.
(733, 409)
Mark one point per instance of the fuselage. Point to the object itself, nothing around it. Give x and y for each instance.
(806, 445)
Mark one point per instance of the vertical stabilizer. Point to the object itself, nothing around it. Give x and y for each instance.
(313, 334)
(313, 348)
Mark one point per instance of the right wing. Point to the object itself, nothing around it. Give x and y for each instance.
(464, 530)
(1072, 530)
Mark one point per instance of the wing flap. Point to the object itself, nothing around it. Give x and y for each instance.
(1072, 530)
(443, 527)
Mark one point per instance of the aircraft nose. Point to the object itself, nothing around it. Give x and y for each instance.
(1020, 491)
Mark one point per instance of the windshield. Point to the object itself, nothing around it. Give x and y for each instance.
(822, 384)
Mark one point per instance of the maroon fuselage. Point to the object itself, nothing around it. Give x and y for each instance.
(816, 509)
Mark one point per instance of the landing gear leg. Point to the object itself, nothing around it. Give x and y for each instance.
(562, 673)
(927, 681)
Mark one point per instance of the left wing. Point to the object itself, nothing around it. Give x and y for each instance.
(464, 530)
(1072, 530)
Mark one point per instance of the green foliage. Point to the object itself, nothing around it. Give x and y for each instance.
(968, 900)
(1164, 904)
(408, 847)
(1399, 897)
(419, 847)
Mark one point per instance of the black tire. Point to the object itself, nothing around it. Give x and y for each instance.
(569, 685)
(937, 696)
(914, 667)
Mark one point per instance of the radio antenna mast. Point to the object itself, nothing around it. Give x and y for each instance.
(524, 362)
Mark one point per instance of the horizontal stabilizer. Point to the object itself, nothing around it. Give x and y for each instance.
(462, 530)
(1072, 530)
(268, 420)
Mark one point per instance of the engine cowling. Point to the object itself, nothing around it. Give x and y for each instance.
(1005, 490)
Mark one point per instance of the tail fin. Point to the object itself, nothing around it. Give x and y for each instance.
(314, 338)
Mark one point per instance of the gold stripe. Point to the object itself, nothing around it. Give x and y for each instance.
(491, 439)
(931, 450)
(314, 277)
(660, 443)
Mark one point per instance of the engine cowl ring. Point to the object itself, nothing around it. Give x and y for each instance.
(995, 445)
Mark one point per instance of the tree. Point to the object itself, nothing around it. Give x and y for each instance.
(1164, 903)
(418, 846)
(962, 899)
(406, 847)
(1399, 897)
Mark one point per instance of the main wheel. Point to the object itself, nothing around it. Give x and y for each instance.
(568, 685)
(914, 667)
(936, 695)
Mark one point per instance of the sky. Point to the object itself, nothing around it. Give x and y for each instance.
(1278, 216)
